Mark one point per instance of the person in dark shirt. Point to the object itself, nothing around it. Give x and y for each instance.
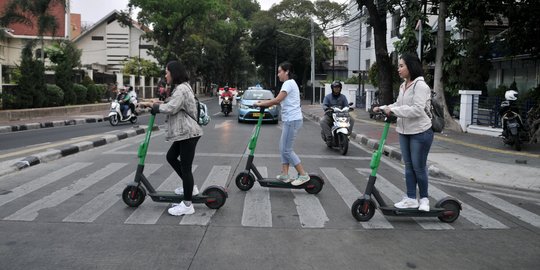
(334, 99)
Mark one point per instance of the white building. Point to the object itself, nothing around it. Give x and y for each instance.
(107, 44)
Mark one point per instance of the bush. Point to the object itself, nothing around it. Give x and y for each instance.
(80, 92)
(92, 95)
(102, 92)
(54, 95)
(87, 81)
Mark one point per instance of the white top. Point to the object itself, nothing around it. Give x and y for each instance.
(290, 106)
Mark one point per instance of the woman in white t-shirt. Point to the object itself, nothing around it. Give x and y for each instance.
(291, 117)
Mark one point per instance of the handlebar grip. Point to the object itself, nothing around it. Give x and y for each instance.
(261, 109)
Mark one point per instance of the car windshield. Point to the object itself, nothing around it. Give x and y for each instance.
(258, 95)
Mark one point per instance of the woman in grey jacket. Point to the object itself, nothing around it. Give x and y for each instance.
(414, 128)
(183, 130)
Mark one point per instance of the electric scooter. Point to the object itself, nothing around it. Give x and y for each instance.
(246, 179)
(134, 194)
(447, 209)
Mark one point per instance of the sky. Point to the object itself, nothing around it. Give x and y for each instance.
(94, 10)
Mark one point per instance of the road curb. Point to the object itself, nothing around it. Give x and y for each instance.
(389, 151)
(66, 150)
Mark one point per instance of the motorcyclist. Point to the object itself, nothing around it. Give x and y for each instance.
(132, 99)
(334, 99)
(123, 99)
(226, 93)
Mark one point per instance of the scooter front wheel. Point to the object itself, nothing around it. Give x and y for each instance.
(133, 196)
(343, 144)
(244, 181)
(113, 119)
(315, 184)
(216, 197)
(362, 210)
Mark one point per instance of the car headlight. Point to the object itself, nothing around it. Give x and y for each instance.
(244, 106)
(272, 107)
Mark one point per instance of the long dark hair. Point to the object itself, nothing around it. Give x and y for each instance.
(287, 66)
(413, 65)
(178, 72)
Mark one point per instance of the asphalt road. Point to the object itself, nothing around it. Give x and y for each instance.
(68, 214)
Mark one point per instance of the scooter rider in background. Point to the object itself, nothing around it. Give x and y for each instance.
(132, 99)
(123, 98)
(334, 99)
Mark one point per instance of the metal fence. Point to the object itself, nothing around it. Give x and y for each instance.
(486, 110)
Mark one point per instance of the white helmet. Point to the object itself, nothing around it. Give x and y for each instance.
(511, 95)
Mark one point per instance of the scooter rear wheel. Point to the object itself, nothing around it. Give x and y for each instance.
(217, 198)
(245, 181)
(133, 196)
(133, 119)
(315, 184)
(362, 210)
(451, 211)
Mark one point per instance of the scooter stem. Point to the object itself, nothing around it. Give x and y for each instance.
(143, 147)
(376, 157)
(255, 136)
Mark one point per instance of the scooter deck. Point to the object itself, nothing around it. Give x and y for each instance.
(412, 212)
(171, 197)
(275, 183)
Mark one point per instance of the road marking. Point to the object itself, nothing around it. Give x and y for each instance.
(229, 155)
(257, 207)
(310, 210)
(43, 147)
(149, 213)
(395, 195)
(30, 212)
(509, 208)
(41, 182)
(225, 123)
(218, 176)
(349, 193)
(90, 211)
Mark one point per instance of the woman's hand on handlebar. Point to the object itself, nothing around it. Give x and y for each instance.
(386, 110)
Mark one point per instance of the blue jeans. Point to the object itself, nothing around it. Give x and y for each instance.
(414, 150)
(286, 143)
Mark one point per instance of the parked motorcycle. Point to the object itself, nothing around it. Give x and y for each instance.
(341, 128)
(115, 115)
(514, 131)
(226, 105)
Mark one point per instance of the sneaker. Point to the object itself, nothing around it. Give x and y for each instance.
(181, 209)
(424, 204)
(407, 203)
(284, 178)
(180, 191)
(300, 180)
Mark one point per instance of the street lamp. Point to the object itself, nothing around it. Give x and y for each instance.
(312, 44)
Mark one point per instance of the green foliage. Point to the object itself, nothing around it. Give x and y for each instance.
(373, 75)
(54, 96)
(92, 94)
(87, 81)
(499, 92)
(102, 92)
(80, 92)
(146, 67)
(533, 94)
(32, 81)
(513, 86)
(66, 56)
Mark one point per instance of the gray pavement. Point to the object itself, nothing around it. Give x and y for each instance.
(461, 157)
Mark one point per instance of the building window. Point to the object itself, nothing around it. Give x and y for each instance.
(368, 64)
(97, 37)
(396, 20)
(368, 37)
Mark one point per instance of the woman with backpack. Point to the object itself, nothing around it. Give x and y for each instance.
(183, 130)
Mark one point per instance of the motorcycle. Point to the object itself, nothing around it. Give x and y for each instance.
(514, 131)
(115, 115)
(226, 105)
(341, 128)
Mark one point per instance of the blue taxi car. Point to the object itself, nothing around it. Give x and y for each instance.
(247, 111)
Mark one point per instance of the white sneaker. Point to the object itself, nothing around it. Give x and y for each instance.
(424, 204)
(407, 203)
(180, 191)
(181, 209)
(300, 180)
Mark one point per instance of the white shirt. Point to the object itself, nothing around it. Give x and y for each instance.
(290, 106)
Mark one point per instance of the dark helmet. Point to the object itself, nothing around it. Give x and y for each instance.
(226, 88)
(336, 84)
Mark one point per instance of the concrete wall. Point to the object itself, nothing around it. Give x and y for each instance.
(14, 115)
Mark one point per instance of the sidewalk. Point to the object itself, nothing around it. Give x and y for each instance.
(456, 156)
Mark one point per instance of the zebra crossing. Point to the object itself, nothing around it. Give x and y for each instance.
(25, 203)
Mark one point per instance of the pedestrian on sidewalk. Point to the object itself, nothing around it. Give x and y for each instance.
(183, 130)
(291, 116)
(414, 128)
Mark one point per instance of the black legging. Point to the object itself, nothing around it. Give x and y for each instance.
(184, 149)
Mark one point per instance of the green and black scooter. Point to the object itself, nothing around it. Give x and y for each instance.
(246, 179)
(134, 194)
(447, 209)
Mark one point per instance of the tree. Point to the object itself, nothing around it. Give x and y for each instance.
(23, 11)
(66, 56)
(136, 66)
(31, 86)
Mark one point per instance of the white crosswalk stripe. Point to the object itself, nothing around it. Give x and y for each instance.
(102, 202)
(310, 210)
(30, 212)
(41, 182)
(257, 208)
(349, 193)
(218, 176)
(149, 213)
(395, 194)
(509, 208)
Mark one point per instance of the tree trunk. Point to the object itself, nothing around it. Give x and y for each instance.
(438, 85)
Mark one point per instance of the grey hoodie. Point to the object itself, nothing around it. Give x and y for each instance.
(180, 125)
(410, 107)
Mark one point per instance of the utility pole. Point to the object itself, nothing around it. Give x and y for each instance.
(333, 57)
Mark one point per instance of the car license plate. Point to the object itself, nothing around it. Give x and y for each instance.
(256, 114)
